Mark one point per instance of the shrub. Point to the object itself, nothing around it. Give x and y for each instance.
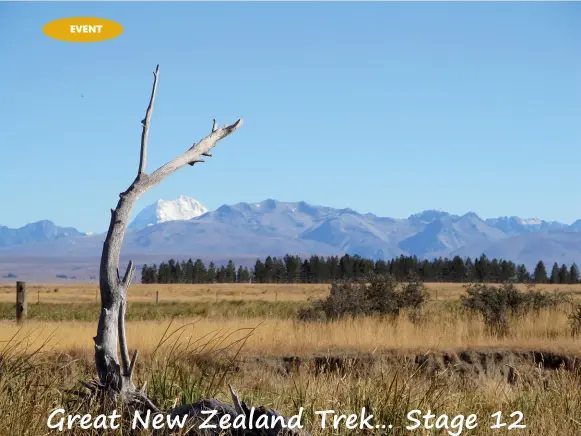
(372, 295)
(575, 320)
(498, 303)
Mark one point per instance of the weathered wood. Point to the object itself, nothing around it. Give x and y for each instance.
(156, 297)
(115, 373)
(21, 302)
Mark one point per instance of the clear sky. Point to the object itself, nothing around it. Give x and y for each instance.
(390, 108)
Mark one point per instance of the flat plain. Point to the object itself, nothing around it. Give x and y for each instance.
(86, 292)
(198, 338)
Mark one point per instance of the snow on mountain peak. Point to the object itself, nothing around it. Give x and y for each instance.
(530, 221)
(182, 208)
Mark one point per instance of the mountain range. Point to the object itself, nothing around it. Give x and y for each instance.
(184, 228)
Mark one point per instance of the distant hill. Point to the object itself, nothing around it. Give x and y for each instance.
(185, 228)
(529, 248)
(35, 232)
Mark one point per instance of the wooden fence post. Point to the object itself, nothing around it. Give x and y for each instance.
(21, 302)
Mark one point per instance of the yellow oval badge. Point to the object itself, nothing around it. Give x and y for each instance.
(83, 29)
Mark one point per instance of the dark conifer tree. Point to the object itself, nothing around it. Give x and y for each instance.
(574, 274)
(564, 274)
(469, 268)
(211, 273)
(145, 275)
(259, 272)
(457, 270)
(522, 275)
(317, 269)
(540, 274)
(200, 275)
(230, 276)
(269, 273)
(239, 275)
(554, 274)
(189, 271)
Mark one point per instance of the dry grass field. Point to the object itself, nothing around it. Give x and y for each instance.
(83, 292)
(441, 330)
(201, 337)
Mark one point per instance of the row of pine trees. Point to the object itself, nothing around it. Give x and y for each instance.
(317, 269)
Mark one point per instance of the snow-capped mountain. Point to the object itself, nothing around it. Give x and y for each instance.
(515, 226)
(184, 228)
(180, 209)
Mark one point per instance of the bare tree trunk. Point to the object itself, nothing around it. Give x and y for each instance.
(116, 375)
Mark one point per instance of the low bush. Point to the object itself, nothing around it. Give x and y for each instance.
(372, 295)
(575, 320)
(497, 303)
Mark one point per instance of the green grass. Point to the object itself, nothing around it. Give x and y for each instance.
(139, 311)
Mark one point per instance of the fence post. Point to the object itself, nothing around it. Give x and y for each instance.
(156, 297)
(21, 302)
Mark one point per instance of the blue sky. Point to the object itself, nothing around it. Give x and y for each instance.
(389, 108)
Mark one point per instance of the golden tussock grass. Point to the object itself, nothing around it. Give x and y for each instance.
(550, 400)
(84, 292)
(78, 293)
(438, 329)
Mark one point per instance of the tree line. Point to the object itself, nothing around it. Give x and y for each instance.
(318, 269)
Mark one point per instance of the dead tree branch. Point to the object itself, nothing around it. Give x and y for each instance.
(113, 373)
(145, 122)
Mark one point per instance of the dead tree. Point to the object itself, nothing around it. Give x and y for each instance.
(115, 374)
